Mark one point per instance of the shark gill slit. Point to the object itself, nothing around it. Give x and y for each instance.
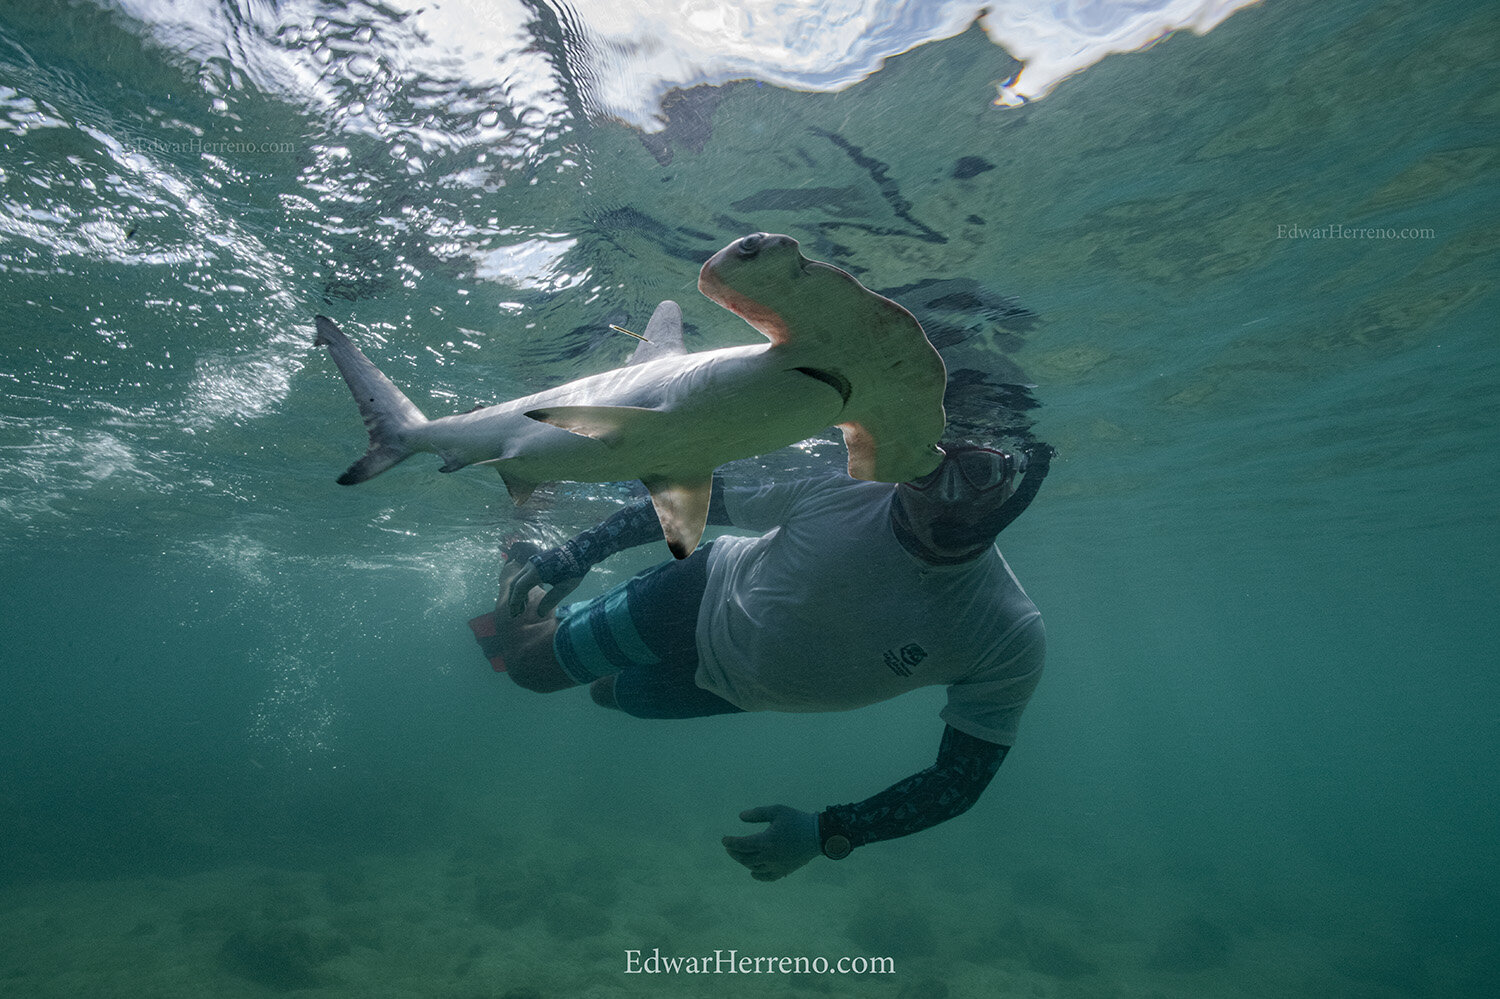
(833, 379)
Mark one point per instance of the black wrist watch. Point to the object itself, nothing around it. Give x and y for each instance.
(835, 845)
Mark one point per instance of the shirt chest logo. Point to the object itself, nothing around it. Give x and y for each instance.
(907, 658)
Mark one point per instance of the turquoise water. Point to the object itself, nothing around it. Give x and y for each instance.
(248, 743)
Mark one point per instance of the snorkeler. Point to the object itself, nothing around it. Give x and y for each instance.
(857, 592)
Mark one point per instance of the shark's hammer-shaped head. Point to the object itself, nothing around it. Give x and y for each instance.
(846, 334)
(766, 281)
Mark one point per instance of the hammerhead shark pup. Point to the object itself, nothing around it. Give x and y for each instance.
(839, 354)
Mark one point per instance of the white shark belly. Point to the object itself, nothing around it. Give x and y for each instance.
(691, 411)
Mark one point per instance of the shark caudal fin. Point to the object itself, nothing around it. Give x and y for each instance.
(389, 415)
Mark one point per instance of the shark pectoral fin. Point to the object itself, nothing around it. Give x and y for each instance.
(682, 507)
(520, 490)
(602, 423)
(663, 334)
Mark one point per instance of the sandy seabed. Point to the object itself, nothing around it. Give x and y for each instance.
(538, 916)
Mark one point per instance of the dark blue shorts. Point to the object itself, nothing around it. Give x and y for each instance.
(644, 632)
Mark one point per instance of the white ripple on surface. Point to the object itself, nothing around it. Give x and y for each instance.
(626, 54)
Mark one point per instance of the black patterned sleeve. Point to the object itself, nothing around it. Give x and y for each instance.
(636, 524)
(965, 765)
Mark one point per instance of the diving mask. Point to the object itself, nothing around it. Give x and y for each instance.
(970, 472)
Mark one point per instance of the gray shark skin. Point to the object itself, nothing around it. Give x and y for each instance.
(838, 354)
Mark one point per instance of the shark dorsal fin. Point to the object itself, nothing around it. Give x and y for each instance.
(663, 334)
(682, 507)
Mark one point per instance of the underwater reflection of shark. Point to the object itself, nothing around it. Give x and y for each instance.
(839, 354)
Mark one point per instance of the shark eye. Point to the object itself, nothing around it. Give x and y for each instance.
(750, 245)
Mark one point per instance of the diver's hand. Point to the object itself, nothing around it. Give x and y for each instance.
(790, 841)
(528, 578)
(1039, 456)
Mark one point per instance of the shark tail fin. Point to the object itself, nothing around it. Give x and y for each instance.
(389, 415)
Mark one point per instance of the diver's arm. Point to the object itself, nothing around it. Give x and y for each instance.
(563, 568)
(965, 765)
(636, 524)
(1038, 463)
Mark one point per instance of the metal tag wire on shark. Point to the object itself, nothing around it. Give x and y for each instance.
(839, 354)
